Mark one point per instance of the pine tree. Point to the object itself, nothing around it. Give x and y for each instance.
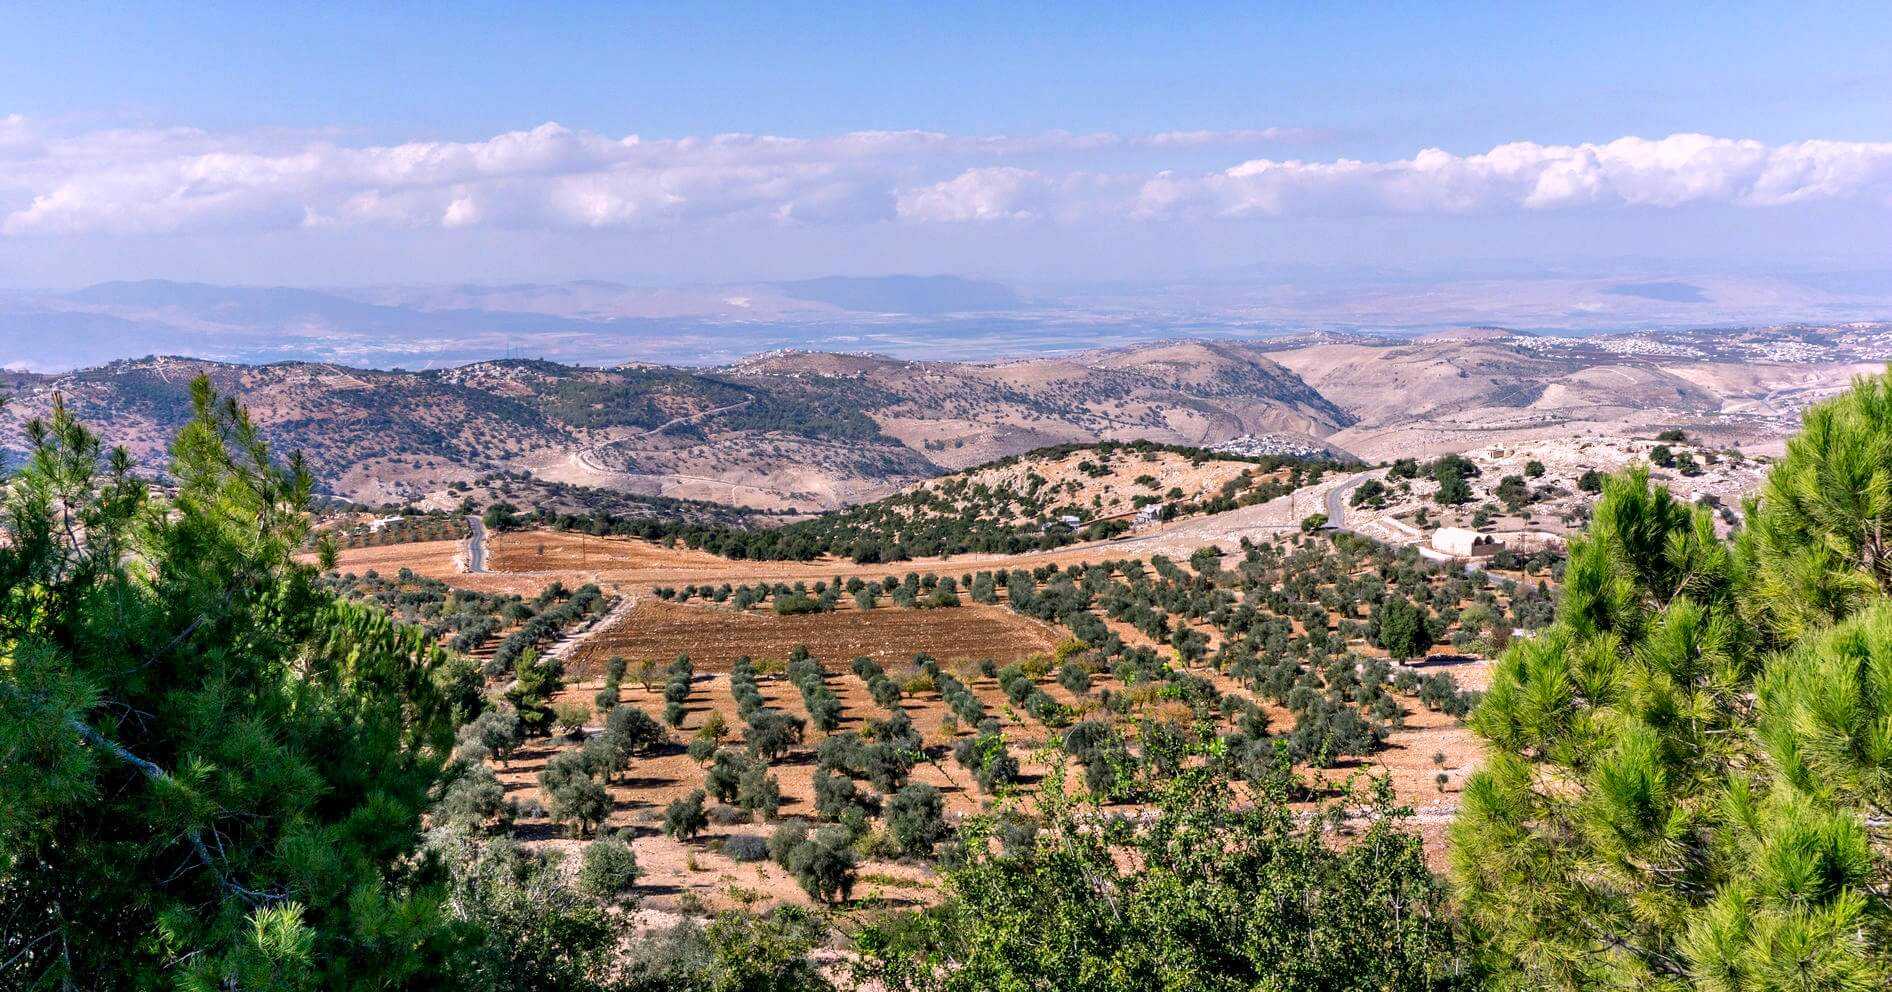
(1820, 535)
(214, 773)
(1688, 773)
(536, 680)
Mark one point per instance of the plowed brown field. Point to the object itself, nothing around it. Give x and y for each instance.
(715, 636)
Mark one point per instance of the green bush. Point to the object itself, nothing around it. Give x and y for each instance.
(610, 868)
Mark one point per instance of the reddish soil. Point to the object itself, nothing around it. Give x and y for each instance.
(715, 636)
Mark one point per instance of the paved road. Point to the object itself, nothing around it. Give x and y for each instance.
(1337, 500)
(475, 544)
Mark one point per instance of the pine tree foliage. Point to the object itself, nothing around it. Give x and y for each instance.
(1687, 776)
(1821, 541)
(210, 771)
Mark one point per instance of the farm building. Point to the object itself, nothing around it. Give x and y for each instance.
(1464, 543)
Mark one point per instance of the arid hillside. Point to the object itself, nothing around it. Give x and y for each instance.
(811, 431)
(1467, 389)
(789, 431)
(961, 414)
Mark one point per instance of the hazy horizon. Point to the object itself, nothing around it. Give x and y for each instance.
(359, 145)
(460, 181)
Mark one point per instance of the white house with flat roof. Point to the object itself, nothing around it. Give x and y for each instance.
(1462, 543)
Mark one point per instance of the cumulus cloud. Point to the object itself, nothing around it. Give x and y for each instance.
(1679, 170)
(183, 180)
(996, 193)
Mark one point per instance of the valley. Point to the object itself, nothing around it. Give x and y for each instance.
(975, 640)
(1292, 560)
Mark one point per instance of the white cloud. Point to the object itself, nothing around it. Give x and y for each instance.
(1197, 139)
(994, 193)
(183, 180)
(1679, 170)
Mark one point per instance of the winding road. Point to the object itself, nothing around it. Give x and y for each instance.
(584, 458)
(475, 543)
(1336, 500)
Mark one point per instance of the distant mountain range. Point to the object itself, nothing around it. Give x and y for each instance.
(432, 326)
(940, 317)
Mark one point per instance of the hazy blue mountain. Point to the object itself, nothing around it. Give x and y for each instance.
(287, 308)
(54, 339)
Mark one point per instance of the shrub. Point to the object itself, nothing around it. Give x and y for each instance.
(835, 795)
(1401, 628)
(634, 730)
(609, 869)
(571, 717)
(988, 759)
(724, 778)
(916, 819)
(575, 796)
(788, 834)
(745, 848)
(758, 791)
(773, 733)
(886, 764)
(728, 816)
(796, 603)
(839, 752)
(822, 862)
(685, 818)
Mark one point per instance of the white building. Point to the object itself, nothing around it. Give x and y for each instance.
(1462, 543)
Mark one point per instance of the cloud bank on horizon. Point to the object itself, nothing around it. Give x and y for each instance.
(180, 181)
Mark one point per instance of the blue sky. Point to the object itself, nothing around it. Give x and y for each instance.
(1391, 76)
(101, 99)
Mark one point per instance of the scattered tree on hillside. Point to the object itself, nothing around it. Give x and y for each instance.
(1401, 628)
(1209, 893)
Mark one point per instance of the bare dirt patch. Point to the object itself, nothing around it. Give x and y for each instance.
(542, 551)
(714, 637)
(433, 559)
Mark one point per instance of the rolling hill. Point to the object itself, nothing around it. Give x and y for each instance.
(790, 430)
(810, 431)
